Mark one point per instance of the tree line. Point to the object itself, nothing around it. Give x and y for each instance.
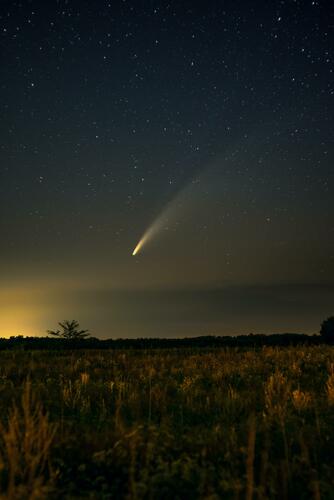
(70, 336)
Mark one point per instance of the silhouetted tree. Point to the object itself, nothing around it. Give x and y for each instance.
(327, 329)
(69, 330)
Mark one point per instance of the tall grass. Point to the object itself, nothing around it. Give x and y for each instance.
(25, 441)
(190, 423)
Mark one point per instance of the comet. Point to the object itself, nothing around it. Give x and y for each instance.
(150, 232)
(176, 206)
(140, 244)
(138, 247)
(191, 195)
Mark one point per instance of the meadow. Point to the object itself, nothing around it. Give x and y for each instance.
(168, 423)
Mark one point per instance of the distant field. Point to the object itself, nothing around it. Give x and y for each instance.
(181, 423)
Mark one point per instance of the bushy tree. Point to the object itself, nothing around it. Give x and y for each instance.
(327, 329)
(69, 330)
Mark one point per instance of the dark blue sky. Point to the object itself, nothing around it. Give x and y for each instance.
(220, 111)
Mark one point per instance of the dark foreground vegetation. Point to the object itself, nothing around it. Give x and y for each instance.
(209, 341)
(193, 423)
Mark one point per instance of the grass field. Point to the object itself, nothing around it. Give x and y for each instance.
(168, 424)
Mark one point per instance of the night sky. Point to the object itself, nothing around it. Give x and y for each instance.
(208, 125)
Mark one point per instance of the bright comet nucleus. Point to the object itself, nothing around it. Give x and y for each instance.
(136, 250)
(142, 240)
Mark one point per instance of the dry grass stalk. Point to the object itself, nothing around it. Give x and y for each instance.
(330, 389)
(301, 400)
(276, 391)
(250, 459)
(26, 440)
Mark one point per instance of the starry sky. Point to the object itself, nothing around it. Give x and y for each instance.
(212, 121)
